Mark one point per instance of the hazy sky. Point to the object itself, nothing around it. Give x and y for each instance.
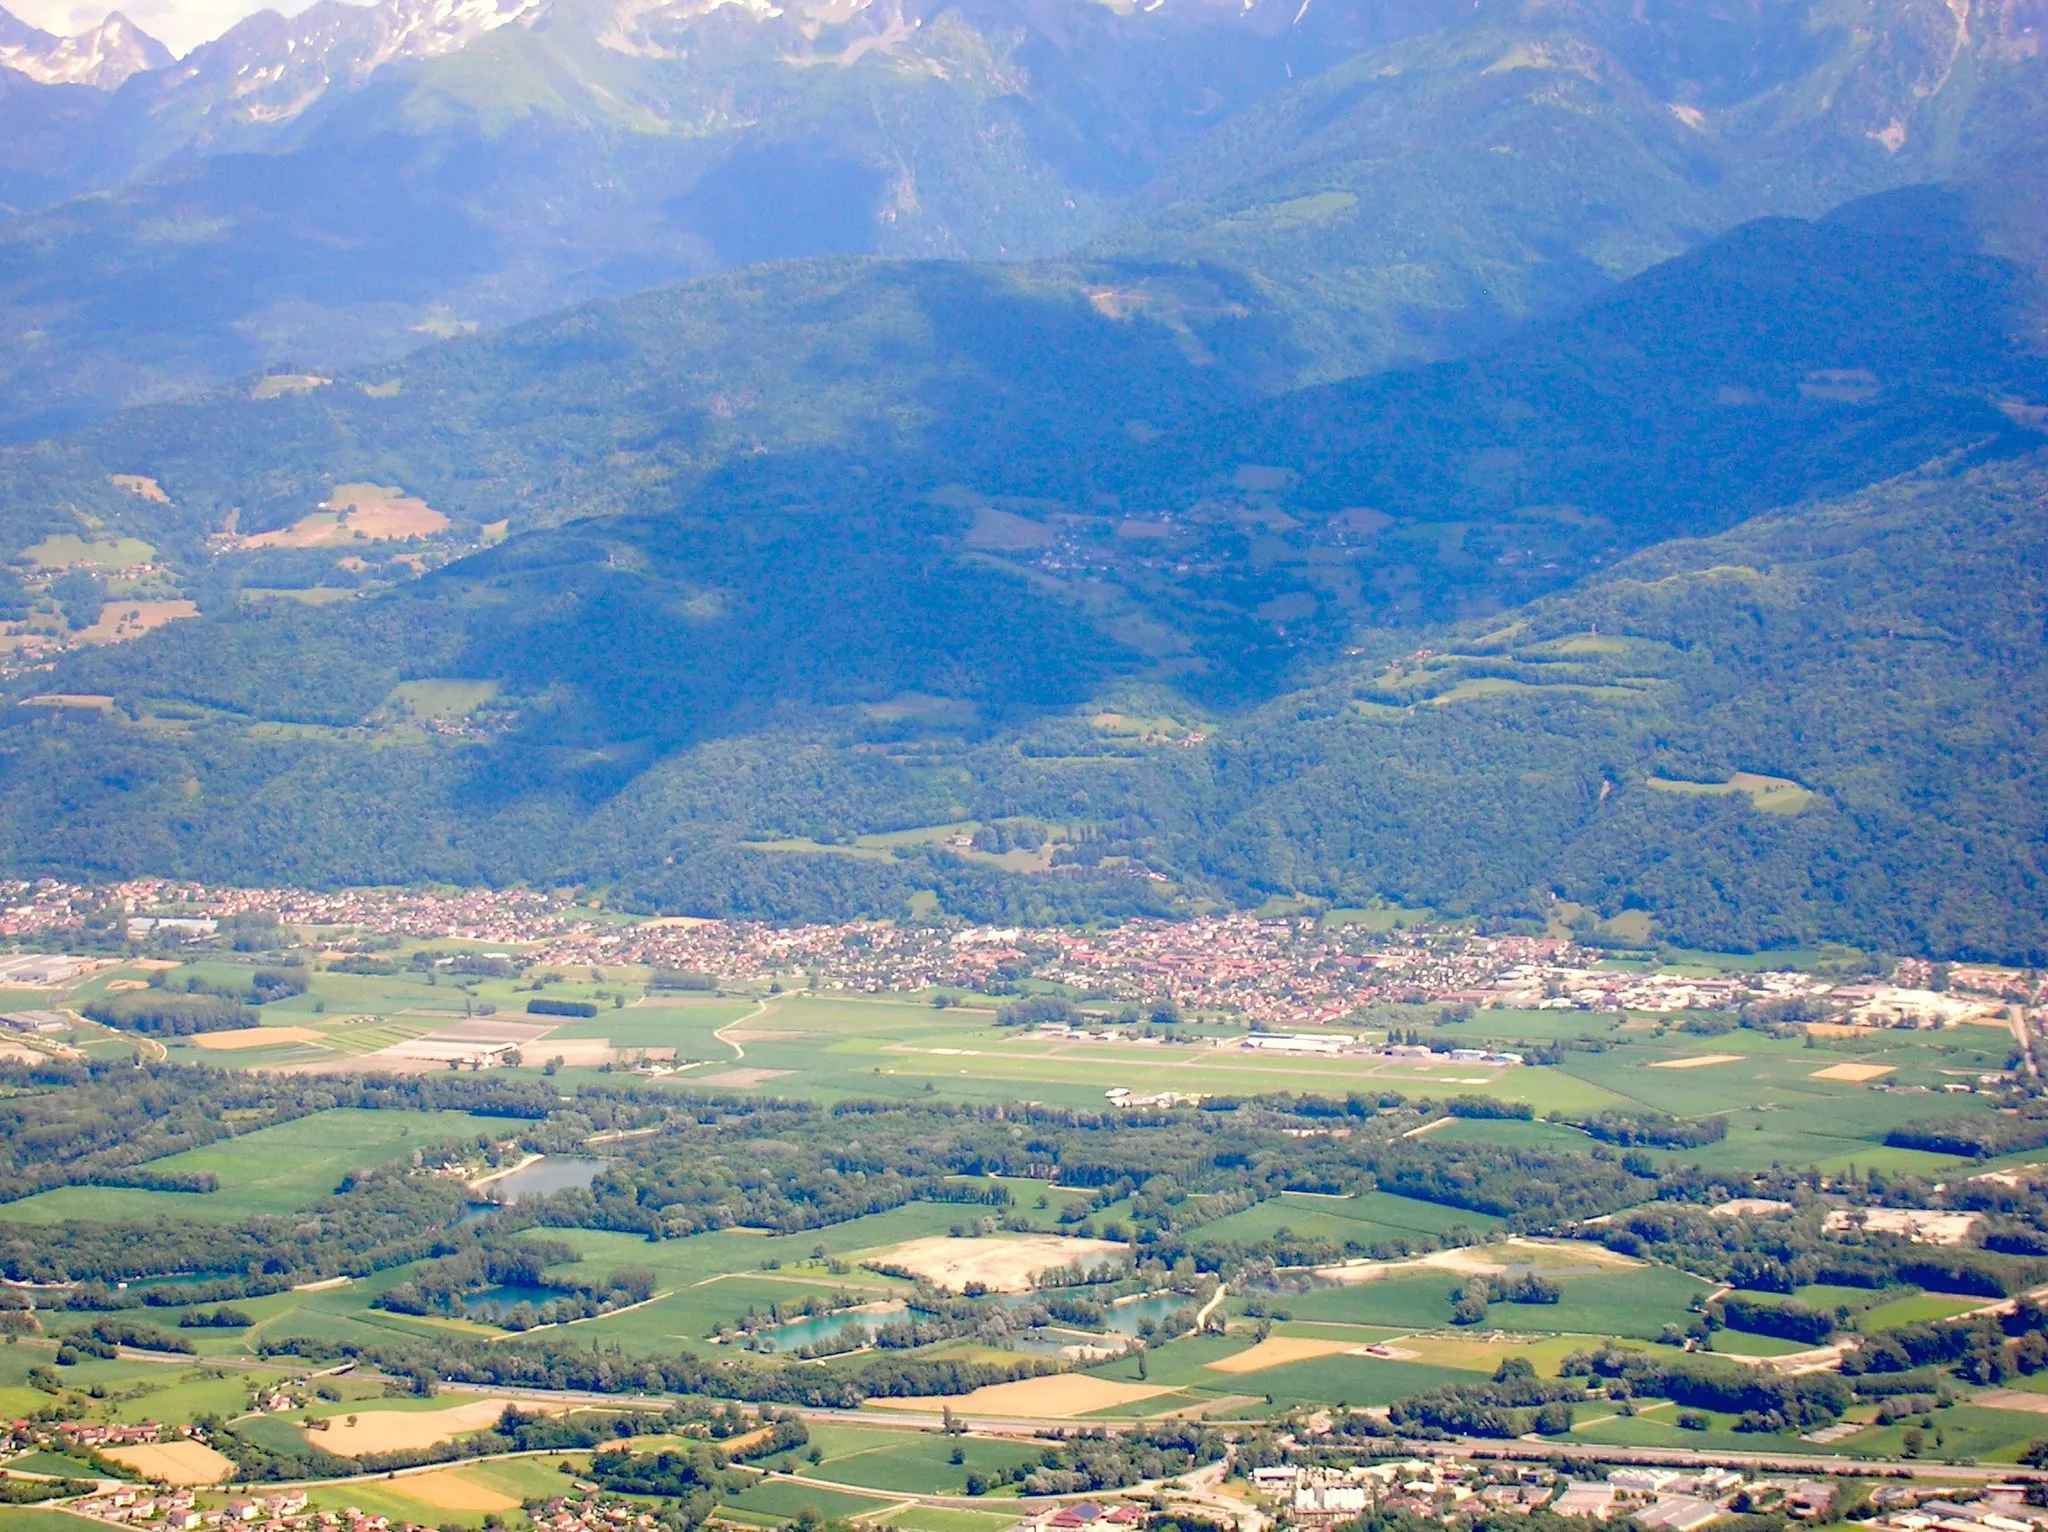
(181, 24)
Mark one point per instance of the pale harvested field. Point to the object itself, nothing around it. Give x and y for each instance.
(367, 512)
(385, 513)
(1700, 1061)
(1853, 1072)
(577, 1052)
(1278, 1351)
(123, 620)
(452, 1490)
(141, 486)
(1484, 1261)
(175, 1462)
(254, 1037)
(743, 1079)
(389, 1430)
(2011, 1399)
(1060, 1397)
(1003, 1265)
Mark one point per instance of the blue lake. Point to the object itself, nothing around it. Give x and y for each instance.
(808, 1332)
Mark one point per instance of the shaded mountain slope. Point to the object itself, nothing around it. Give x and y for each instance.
(999, 375)
(831, 622)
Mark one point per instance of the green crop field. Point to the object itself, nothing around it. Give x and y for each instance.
(903, 1462)
(1633, 1304)
(934, 1518)
(1364, 1219)
(1360, 1381)
(1966, 1431)
(1654, 1425)
(1742, 1343)
(22, 1518)
(1919, 1308)
(782, 1500)
(273, 1170)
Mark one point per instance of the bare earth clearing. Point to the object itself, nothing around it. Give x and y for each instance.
(1856, 1072)
(254, 1037)
(999, 1264)
(389, 1430)
(357, 512)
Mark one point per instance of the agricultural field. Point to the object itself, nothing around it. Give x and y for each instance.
(462, 1495)
(1364, 1218)
(277, 1169)
(1634, 1304)
(1349, 1295)
(1788, 1102)
(899, 1461)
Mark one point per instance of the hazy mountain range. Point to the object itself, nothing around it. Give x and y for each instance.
(1469, 454)
(1401, 178)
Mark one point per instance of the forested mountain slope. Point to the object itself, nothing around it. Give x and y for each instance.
(1300, 645)
(1098, 431)
(1883, 652)
(993, 374)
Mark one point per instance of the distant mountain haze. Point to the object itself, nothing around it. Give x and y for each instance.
(1400, 180)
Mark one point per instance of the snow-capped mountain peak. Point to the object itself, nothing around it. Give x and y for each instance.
(102, 57)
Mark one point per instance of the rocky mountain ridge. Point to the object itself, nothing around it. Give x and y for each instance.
(103, 58)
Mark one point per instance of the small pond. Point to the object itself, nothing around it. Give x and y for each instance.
(1125, 1317)
(821, 1327)
(549, 1173)
(501, 1300)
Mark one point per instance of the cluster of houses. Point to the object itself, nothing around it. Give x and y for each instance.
(288, 1511)
(590, 1514)
(181, 1509)
(22, 1434)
